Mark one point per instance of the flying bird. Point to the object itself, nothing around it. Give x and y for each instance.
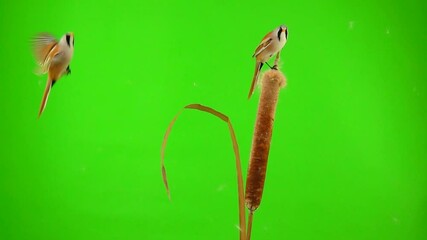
(271, 44)
(53, 58)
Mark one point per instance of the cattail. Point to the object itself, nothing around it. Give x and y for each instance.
(272, 81)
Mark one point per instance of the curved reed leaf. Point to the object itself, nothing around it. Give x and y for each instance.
(242, 221)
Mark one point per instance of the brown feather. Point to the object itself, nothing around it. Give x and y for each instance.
(263, 45)
(255, 78)
(56, 69)
(43, 44)
(45, 96)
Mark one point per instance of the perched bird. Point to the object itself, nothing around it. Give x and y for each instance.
(53, 58)
(271, 44)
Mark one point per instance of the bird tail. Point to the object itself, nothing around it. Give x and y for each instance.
(49, 85)
(258, 67)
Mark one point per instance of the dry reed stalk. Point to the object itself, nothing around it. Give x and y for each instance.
(242, 220)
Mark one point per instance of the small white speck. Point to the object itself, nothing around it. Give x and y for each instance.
(220, 188)
(238, 227)
(351, 25)
(415, 90)
(395, 220)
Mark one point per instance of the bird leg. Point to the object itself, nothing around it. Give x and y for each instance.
(269, 65)
(68, 70)
(276, 61)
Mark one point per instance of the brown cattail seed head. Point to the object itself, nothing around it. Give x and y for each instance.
(271, 83)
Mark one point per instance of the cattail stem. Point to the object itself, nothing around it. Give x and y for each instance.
(251, 216)
(272, 81)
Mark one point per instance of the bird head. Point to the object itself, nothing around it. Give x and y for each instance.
(282, 32)
(68, 39)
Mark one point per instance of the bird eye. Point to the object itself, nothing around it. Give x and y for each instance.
(279, 33)
(67, 37)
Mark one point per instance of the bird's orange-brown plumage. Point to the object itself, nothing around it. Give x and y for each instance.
(271, 44)
(264, 44)
(55, 70)
(255, 78)
(43, 45)
(53, 58)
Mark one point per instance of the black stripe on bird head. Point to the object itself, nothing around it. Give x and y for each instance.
(286, 33)
(279, 32)
(67, 37)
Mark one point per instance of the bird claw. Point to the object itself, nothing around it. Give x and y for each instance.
(68, 71)
(275, 67)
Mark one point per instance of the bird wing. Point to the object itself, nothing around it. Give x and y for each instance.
(54, 56)
(266, 41)
(44, 47)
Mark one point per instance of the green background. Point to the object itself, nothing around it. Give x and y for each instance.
(348, 155)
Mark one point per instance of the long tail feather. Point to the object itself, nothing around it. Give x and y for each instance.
(258, 67)
(45, 96)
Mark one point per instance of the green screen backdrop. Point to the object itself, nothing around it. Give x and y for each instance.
(348, 154)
